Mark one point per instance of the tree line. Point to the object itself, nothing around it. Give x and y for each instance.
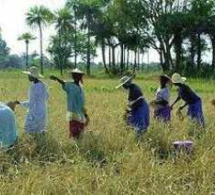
(181, 31)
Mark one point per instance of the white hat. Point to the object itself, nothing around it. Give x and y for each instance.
(77, 71)
(34, 72)
(176, 78)
(123, 81)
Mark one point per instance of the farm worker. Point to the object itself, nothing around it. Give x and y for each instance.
(161, 105)
(36, 120)
(191, 99)
(8, 128)
(137, 113)
(77, 115)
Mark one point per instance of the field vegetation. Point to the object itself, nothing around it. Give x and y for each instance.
(108, 159)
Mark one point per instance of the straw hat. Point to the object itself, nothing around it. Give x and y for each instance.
(123, 81)
(34, 72)
(76, 71)
(176, 78)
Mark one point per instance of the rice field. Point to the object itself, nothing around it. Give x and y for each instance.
(108, 159)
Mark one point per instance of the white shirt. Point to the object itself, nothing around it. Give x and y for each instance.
(37, 110)
(163, 94)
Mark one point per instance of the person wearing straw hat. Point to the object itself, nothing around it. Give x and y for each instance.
(137, 114)
(8, 128)
(191, 99)
(161, 105)
(36, 119)
(77, 115)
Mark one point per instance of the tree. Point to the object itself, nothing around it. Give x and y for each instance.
(64, 25)
(87, 12)
(39, 16)
(27, 38)
(4, 52)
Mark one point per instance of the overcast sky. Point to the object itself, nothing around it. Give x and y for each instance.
(12, 22)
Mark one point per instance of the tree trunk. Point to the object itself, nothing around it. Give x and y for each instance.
(113, 60)
(109, 53)
(60, 61)
(138, 59)
(75, 44)
(88, 51)
(122, 67)
(104, 57)
(199, 51)
(163, 64)
(178, 51)
(41, 49)
(128, 56)
(135, 61)
(192, 50)
(27, 44)
(213, 51)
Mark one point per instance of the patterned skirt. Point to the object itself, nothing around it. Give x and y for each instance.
(196, 114)
(139, 118)
(75, 129)
(163, 114)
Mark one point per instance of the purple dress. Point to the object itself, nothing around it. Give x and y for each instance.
(194, 104)
(138, 117)
(161, 112)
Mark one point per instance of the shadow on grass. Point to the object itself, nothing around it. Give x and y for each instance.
(91, 149)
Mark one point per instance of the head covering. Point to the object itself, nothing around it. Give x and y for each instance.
(34, 72)
(76, 71)
(165, 78)
(123, 81)
(176, 78)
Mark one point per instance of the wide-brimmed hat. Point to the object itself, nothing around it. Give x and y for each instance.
(177, 78)
(34, 72)
(123, 81)
(76, 71)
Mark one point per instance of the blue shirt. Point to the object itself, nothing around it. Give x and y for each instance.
(75, 99)
(135, 92)
(186, 94)
(8, 129)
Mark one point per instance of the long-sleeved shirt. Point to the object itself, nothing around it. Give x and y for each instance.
(75, 101)
(8, 128)
(37, 110)
(186, 94)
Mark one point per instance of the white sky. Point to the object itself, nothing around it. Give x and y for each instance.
(12, 22)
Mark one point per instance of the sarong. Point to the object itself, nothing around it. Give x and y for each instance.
(196, 114)
(163, 114)
(75, 129)
(139, 118)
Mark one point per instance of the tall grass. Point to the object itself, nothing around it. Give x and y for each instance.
(108, 159)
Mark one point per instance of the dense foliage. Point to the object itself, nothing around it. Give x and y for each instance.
(122, 31)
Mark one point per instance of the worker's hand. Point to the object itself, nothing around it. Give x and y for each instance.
(213, 102)
(181, 108)
(153, 103)
(52, 77)
(17, 102)
(11, 105)
(180, 115)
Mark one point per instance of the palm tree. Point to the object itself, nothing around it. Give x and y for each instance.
(88, 12)
(74, 4)
(39, 16)
(64, 25)
(27, 37)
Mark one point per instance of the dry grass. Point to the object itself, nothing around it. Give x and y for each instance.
(108, 159)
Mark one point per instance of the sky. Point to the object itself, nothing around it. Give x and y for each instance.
(12, 22)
